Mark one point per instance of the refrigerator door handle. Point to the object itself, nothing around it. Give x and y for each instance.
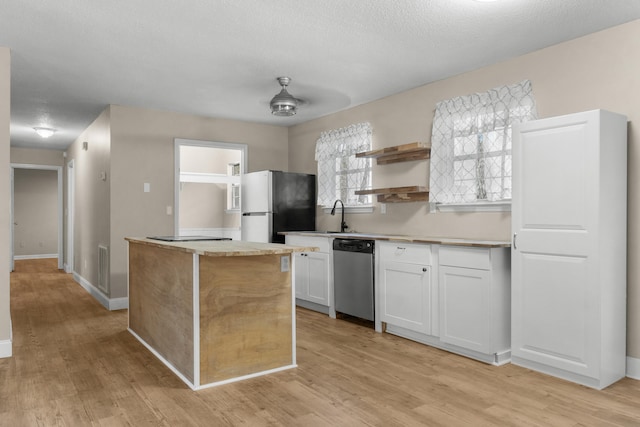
(254, 214)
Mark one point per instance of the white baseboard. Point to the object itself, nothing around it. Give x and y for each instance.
(119, 303)
(40, 256)
(108, 303)
(633, 368)
(6, 346)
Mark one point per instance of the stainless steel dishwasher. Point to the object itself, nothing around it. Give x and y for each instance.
(353, 277)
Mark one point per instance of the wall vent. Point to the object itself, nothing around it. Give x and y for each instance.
(103, 269)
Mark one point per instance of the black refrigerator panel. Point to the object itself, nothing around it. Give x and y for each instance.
(294, 203)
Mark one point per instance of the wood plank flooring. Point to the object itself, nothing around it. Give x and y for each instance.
(75, 364)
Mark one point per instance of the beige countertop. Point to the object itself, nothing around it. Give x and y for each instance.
(221, 248)
(406, 238)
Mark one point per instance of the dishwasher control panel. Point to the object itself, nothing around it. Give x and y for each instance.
(351, 245)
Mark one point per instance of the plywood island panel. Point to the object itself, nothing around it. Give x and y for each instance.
(246, 326)
(214, 313)
(161, 303)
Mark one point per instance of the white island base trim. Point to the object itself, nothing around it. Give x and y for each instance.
(209, 385)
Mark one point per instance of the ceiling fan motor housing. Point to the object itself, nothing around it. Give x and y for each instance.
(283, 104)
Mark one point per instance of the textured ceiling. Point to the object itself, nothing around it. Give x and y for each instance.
(220, 58)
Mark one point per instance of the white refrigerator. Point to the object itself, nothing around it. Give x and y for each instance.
(276, 201)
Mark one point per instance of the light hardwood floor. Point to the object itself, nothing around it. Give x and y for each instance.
(75, 364)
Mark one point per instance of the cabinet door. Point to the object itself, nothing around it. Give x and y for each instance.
(301, 277)
(554, 220)
(465, 308)
(405, 296)
(318, 277)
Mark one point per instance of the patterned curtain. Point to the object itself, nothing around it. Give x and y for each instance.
(471, 144)
(340, 173)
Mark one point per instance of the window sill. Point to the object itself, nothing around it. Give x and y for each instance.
(351, 209)
(472, 207)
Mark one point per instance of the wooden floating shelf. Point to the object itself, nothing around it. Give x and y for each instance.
(399, 153)
(412, 193)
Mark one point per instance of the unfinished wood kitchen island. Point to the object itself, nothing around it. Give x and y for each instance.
(213, 311)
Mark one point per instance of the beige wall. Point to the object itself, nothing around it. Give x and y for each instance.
(37, 156)
(92, 196)
(5, 194)
(601, 70)
(35, 212)
(142, 150)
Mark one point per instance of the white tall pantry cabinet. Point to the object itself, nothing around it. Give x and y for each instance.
(569, 217)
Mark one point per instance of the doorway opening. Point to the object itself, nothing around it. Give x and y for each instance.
(36, 212)
(207, 188)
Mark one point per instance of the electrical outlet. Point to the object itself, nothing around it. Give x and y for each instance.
(284, 263)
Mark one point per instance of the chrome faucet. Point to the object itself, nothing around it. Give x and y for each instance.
(343, 225)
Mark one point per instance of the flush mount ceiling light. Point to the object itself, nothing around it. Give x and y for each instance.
(283, 104)
(44, 132)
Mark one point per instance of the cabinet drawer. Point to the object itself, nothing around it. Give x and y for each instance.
(318, 242)
(466, 257)
(405, 252)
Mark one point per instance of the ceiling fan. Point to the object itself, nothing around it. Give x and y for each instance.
(284, 104)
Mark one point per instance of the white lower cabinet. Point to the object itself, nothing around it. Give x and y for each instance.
(464, 314)
(405, 295)
(313, 278)
(453, 297)
(475, 300)
(405, 291)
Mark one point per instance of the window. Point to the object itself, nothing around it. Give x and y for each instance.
(471, 145)
(340, 173)
(233, 188)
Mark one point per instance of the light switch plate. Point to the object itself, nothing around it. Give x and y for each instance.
(147, 187)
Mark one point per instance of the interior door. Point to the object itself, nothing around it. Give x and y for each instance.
(554, 237)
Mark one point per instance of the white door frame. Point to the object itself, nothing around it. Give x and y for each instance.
(71, 197)
(11, 258)
(178, 142)
(58, 169)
